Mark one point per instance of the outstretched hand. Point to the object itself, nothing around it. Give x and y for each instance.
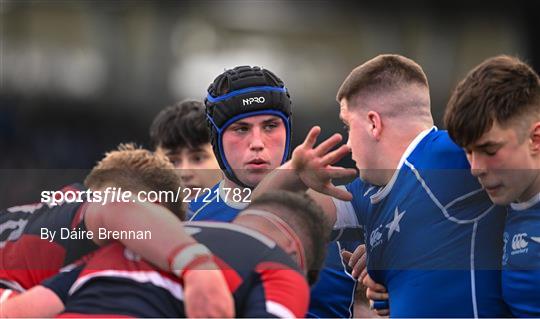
(314, 165)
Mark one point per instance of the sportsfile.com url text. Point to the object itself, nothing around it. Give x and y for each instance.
(117, 195)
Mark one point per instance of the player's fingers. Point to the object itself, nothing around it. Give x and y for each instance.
(311, 137)
(353, 262)
(359, 257)
(337, 192)
(375, 295)
(346, 255)
(335, 155)
(363, 274)
(361, 264)
(357, 270)
(371, 284)
(328, 144)
(357, 253)
(382, 312)
(339, 172)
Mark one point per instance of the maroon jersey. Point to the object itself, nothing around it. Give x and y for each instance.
(264, 280)
(26, 256)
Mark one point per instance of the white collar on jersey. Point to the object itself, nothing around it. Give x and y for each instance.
(384, 191)
(527, 204)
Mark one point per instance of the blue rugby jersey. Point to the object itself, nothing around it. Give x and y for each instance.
(219, 206)
(431, 234)
(333, 294)
(521, 258)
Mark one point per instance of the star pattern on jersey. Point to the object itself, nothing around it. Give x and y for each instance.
(393, 226)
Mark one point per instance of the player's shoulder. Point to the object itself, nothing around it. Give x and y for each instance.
(201, 200)
(437, 151)
(359, 188)
(220, 206)
(204, 202)
(240, 247)
(526, 214)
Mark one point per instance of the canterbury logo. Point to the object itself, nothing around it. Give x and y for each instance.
(251, 100)
(519, 242)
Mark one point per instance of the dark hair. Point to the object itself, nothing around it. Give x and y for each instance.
(501, 89)
(382, 73)
(307, 219)
(180, 125)
(136, 169)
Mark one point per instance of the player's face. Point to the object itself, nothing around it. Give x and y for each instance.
(197, 167)
(502, 161)
(358, 140)
(254, 146)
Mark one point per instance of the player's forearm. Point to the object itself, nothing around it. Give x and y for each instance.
(163, 232)
(283, 178)
(326, 203)
(38, 302)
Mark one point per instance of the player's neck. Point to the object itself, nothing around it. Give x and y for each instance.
(405, 135)
(396, 146)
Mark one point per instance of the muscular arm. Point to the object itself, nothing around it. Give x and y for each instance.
(204, 283)
(167, 232)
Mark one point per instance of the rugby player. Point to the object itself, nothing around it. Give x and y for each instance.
(494, 113)
(249, 112)
(431, 232)
(264, 253)
(27, 258)
(180, 132)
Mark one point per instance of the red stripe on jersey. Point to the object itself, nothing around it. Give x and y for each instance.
(231, 276)
(116, 257)
(84, 315)
(284, 286)
(30, 259)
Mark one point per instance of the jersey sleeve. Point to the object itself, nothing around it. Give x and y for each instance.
(350, 215)
(279, 292)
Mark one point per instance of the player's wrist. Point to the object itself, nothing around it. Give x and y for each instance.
(188, 257)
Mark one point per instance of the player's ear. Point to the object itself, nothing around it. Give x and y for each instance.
(375, 124)
(534, 138)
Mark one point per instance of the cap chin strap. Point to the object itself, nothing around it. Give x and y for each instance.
(285, 229)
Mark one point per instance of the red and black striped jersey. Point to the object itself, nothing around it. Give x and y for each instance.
(264, 280)
(26, 257)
